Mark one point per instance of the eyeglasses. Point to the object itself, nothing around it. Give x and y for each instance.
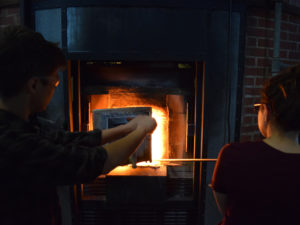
(256, 107)
(52, 81)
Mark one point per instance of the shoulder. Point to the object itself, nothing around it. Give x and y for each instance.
(239, 149)
(241, 146)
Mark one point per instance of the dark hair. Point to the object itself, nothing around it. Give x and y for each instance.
(25, 53)
(282, 93)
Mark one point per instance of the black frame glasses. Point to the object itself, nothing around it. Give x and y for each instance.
(52, 81)
(256, 107)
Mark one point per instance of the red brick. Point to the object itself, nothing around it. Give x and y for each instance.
(255, 71)
(251, 21)
(255, 119)
(289, 27)
(294, 55)
(251, 42)
(256, 52)
(294, 19)
(268, 71)
(259, 32)
(263, 22)
(264, 62)
(282, 54)
(284, 17)
(248, 101)
(270, 53)
(283, 35)
(252, 91)
(249, 129)
(294, 37)
(258, 12)
(248, 120)
(7, 20)
(249, 81)
(250, 61)
(288, 62)
(293, 2)
(245, 138)
(265, 43)
(248, 110)
(259, 81)
(257, 100)
(13, 10)
(271, 14)
(288, 45)
(3, 12)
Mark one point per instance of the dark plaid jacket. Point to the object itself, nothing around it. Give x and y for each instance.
(33, 161)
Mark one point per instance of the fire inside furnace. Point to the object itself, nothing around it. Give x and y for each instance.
(120, 98)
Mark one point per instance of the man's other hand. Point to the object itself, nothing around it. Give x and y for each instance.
(144, 122)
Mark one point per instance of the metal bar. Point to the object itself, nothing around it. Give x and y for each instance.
(199, 142)
(187, 160)
(79, 94)
(27, 16)
(70, 96)
(131, 3)
(239, 99)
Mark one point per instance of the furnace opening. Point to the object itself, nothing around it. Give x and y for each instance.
(169, 138)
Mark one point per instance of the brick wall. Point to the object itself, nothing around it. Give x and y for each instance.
(292, 2)
(258, 59)
(9, 15)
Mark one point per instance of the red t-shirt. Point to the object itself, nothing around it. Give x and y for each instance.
(262, 184)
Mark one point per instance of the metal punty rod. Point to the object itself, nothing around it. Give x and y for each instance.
(187, 160)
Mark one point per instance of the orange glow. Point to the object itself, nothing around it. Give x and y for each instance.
(122, 98)
(160, 135)
(143, 170)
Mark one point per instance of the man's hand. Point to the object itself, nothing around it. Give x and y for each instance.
(146, 123)
(121, 149)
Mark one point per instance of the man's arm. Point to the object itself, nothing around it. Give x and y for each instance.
(116, 133)
(121, 149)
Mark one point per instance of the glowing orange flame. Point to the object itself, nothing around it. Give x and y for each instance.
(159, 140)
(160, 135)
(118, 98)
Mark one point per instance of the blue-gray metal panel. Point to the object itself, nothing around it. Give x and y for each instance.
(48, 23)
(220, 86)
(136, 31)
(188, 4)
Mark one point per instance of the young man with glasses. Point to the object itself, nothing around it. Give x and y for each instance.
(34, 161)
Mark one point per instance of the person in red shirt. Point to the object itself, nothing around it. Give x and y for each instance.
(259, 182)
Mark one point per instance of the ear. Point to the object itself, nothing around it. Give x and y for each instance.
(265, 113)
(32, 85)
